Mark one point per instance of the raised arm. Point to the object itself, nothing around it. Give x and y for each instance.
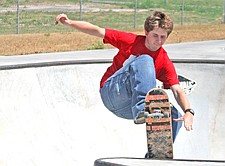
(82, 26)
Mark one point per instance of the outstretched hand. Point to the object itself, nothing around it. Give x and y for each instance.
(61, 18)
(188, 121)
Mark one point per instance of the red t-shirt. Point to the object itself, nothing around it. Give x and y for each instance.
(132, 44)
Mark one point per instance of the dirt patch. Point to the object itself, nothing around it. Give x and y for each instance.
(70, 41)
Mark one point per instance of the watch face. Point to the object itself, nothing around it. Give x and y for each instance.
(190, 110)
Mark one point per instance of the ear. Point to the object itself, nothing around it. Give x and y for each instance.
(146, 33)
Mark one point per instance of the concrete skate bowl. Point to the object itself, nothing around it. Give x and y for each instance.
(51, 114)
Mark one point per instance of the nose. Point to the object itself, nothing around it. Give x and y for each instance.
(159, 40)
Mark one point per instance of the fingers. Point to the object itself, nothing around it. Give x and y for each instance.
(179, 119)
(188, 121)
(57, 19)
(189, 128)
(60, 18)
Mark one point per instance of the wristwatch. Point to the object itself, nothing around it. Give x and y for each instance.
(190, 110)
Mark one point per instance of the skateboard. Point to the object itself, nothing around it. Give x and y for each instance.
(158, 125)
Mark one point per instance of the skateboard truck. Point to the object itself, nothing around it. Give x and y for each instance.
(157, 115)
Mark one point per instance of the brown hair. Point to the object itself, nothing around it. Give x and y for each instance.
(159, 20)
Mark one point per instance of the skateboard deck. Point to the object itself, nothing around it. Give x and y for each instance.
(158, 125)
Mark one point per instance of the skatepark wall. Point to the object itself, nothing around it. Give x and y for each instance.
(54, 116)
(51, 112)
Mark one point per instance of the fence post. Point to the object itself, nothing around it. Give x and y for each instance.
(165, 2)
(18, 17)
(135, 13)
(182, 13)
(224, 12)
(81, 18)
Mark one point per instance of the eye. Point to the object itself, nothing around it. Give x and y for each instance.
(163, 37)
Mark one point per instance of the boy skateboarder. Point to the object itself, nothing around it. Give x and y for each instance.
(140, 60)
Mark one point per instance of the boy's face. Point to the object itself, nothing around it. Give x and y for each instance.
(155, 38)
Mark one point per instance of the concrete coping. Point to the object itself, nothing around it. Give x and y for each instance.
(122, 161)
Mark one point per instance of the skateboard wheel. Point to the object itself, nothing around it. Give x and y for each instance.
(166, 114)
(148, 155)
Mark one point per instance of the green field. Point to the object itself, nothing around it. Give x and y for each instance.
(195, 12)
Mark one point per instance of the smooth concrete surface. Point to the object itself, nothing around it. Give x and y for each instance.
(53, 115)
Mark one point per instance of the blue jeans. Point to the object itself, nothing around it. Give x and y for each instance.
(124, 92)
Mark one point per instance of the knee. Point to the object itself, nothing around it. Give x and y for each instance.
(145, 59)
(143, 65)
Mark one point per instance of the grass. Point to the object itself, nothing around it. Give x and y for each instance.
(43, 22)
(38, 34)
(196, 12)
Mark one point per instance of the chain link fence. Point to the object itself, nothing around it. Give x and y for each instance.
(36, 16)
